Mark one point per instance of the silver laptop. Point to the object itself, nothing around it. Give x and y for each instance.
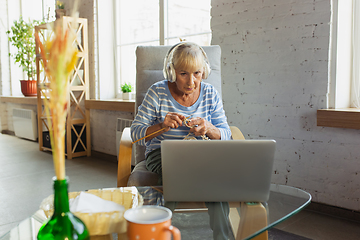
(217, 171)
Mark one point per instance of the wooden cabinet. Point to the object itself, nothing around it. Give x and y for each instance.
(78, 141)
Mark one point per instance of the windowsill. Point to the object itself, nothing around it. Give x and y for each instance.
(339, 118)
(109, 104)
(19, 100)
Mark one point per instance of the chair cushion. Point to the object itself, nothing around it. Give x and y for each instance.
(140, 176)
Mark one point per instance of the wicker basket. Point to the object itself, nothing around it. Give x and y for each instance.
(106, 222)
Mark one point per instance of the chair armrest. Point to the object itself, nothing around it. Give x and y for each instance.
(124, 161)
(236, 133)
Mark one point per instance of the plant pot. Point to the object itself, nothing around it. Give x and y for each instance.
(59, 13)
(28, 87)
(127, 96)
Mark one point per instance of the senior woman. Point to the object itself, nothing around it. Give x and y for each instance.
(181, 95)
(183, 98)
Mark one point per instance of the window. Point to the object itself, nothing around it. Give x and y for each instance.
(344, 59)
(344, 71)
(137, 24)
(156, 22)
(11, 73)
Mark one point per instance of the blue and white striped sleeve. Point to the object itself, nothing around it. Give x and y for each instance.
(146, 115)
(218, 118)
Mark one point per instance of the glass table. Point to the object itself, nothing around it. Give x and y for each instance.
(220, 218)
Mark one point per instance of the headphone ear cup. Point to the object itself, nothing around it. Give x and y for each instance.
(168, 70)
(165, 69)
(207, 70)
(171, 73)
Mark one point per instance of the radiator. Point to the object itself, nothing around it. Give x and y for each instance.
(25, 123)
(120, 125)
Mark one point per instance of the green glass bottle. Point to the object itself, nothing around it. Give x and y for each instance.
(63, 224)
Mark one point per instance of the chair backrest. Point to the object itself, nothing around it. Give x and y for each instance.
(149, 69)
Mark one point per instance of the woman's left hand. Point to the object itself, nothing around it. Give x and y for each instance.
(199, 126)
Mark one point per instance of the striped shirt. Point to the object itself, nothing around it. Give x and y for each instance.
(158, 102)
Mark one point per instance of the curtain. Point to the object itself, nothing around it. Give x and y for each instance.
(355, 81)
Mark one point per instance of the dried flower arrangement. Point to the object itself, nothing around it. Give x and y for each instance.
(59, 56)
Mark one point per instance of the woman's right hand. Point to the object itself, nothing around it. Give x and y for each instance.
(172, 120)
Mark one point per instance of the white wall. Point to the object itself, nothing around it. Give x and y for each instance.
(6, 110)
(103, 129)
(275, 73)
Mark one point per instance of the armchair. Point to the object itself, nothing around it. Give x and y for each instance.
(149, 66)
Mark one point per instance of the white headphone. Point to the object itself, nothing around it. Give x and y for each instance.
(169, 70)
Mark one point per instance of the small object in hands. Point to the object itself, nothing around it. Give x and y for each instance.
(186, 122)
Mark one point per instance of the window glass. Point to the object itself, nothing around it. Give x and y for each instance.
(127, 57)
(138, 21)
(190, 20)
(11, 72)
(31, 12)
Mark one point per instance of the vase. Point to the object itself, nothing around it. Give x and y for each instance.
(127, 96)
(62, 224)
(29, 87)
(59, 13)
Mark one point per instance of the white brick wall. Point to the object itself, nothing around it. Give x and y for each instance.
(275, 71)
(103, 129)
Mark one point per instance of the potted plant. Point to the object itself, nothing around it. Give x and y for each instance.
(60, 9)
(126, 88)
(21, 36)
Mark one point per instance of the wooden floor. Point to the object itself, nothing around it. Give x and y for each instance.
(26, 179)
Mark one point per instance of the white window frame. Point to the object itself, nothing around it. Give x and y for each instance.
(340, 75)
(164, 37)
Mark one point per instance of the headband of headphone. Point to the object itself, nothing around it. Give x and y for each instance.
(169, 69)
